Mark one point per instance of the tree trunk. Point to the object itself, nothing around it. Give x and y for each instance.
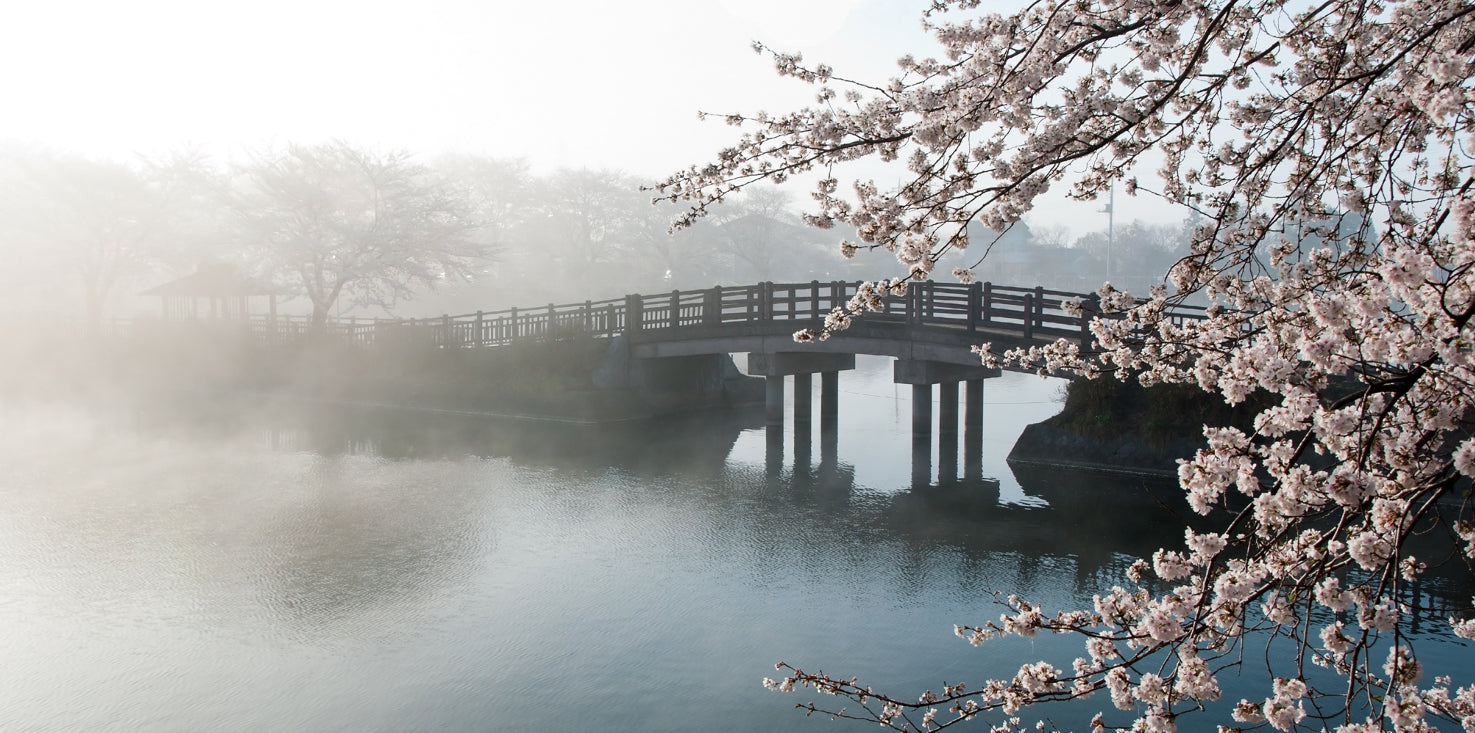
(320, 313)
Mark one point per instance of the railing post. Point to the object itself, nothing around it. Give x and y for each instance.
(445, 330)
(975, 301)
(712, 308)
(611, 320)
(1029, 318)
(814, 299)
(633, 315)
(675, 308)
(478, 338)
(1039, 306)
(512, 325)
(588, 317)
(548, 326)
(765, 301)
(988, 302)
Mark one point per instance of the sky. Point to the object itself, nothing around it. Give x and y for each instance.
(581, 83)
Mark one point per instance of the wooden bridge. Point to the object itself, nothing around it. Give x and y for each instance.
(680, 344)
(928, 331)
(947, 315)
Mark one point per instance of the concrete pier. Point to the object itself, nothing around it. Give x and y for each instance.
(829, 395)
(973, 430)
(801, 365)
(922, 409)
(922, 374)
(947, 432)
(773, 400)
(921, 435)
(921, 459)
(829, 419)
(803, 422)
(803, 399)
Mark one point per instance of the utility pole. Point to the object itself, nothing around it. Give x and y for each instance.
(1109, 210)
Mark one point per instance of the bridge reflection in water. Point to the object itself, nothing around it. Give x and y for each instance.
(922, 381)
(962, 511)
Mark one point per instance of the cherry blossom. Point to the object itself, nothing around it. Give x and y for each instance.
(1329, 150)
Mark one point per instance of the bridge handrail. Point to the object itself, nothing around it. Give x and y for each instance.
(977, 308)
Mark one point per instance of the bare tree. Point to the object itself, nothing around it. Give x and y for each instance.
(499, 192)
(762, 230)
(333, 221)
(1056, 236)
(587, 211)
(194, 193)
(104, 222)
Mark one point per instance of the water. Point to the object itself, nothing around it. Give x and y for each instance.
(346, 573)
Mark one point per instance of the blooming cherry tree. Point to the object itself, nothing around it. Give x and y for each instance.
(1281, 124)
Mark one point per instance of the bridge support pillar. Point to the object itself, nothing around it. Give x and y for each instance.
(921, 435)
(973, 430)
(947, 432)
(803, 421)
(829, 417)
(922, 374)
(773, 400)
(829, 396)
(922, 409)
(773, 367)
(803, 398)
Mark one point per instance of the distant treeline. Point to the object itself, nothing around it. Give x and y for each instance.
(339, 229)
(335, 229)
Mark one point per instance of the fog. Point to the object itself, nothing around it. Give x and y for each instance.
(336, 230)
(166, 163)
(141, 144)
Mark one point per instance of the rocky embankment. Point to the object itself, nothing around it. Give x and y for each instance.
(1124, 427)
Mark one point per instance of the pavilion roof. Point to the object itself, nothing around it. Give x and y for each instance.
(212, 281)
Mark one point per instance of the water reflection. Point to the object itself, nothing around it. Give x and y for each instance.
(1099, 523)
(699, 442)
(331, 569)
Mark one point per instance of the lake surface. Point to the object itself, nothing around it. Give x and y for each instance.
(390, 573)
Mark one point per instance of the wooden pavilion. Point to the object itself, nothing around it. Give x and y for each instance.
(213, 292)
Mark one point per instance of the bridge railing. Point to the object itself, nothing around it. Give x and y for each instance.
(974, 308)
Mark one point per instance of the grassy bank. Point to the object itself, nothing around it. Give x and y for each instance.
(552, 379)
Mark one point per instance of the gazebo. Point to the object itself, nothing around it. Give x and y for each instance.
(214, 292)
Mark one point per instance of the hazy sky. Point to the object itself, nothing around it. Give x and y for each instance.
(577, 83)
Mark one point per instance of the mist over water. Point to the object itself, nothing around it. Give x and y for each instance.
(349, 572)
